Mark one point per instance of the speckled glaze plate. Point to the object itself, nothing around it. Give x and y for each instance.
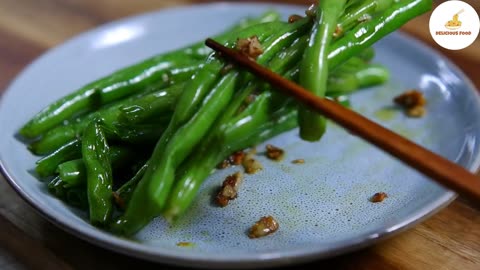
(322, 206)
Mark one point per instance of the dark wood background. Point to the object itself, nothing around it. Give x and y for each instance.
(448, 240)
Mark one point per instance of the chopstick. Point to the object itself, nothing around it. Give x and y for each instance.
(443, 171)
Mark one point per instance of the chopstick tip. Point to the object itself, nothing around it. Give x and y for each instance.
(210, 43)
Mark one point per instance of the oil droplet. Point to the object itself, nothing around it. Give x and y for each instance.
(186, 244)
(386, 114)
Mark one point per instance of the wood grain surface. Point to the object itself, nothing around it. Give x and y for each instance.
(448, 240)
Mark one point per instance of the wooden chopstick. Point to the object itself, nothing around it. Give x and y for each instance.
(441, 170)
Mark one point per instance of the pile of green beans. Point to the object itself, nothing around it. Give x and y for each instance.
(139, 143)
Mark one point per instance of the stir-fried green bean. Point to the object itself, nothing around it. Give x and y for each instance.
(197, 109)
(129, 80)
(314, 68)
(96, 156)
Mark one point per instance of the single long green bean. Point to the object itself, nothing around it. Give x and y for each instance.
(95, 154)
(367, 55)
(73, 172)
(346, 83)
(48, 165)
(371, 75)
(314, 66)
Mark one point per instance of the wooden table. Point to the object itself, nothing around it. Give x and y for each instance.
(448, 240)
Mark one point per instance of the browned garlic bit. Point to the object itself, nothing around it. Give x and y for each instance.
(298, 161)
(413, 102)
(263, 227)
(118, 200)
(416, 112)
(293, 18)
(378, 197)
(249, 46)
(224, 164)
(274, 152)
(229, 190)
(251, 165)
(338, 31)
(235, 159)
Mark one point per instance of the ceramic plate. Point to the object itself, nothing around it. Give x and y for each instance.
(322, 206)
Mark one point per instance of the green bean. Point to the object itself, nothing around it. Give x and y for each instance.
(244, 131)
(95, 154)
(144, 134)
(366, 34)
(140, 134)
(124, 193)
(367, 54)
(342, 84)
(205, 164)
(192, 175)
(103, 91)
(150, 106)
(281, 63)
(73, 172)
(372, 75)
(234, 132)
(53, 140)
(205, 79)
(56, 187)
(342, 80)
(314, 66)
(121, 83)
(134, 110)
(48, 165)
(254, 126)
(176, 207)
(151, 194)
(351, 78)
(211, 118)
(76, 196)
(352, 65)
(361, 11)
